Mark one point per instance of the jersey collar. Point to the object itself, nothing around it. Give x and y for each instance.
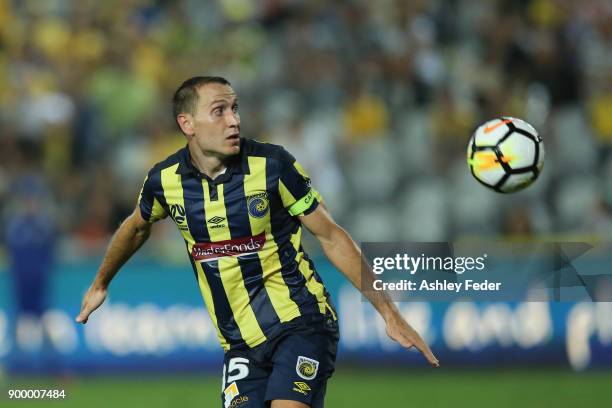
(238, 165)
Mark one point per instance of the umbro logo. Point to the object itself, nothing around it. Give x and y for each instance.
(301, 387)
(216, 220)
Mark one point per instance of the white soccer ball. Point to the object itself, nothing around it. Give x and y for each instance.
(505, 154)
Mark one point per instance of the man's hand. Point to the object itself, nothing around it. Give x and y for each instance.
(91, 301)
(399, 330)
(131, 234)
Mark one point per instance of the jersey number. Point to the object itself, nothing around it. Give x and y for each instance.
(237, 369)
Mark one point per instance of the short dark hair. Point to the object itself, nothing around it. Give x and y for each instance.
(185, 98)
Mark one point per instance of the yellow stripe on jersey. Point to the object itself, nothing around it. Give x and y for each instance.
(230, 272)
(287, 198)
(313, 286)
(297, 206)
(157, 211)
(300, 169)
(173, 193)
(207, 295)
(275, 285)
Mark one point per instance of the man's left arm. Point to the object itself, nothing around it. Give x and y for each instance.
(346, 256)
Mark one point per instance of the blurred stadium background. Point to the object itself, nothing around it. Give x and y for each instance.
(376, 99)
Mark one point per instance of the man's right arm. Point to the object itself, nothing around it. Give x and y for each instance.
(128, 238)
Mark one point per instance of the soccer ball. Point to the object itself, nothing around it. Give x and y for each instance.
(505, 154)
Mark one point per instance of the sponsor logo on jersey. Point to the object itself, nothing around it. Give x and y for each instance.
(306, 367)
(216, 219)
(217, 222)
(210, 251)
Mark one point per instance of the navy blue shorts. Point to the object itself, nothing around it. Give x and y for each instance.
(293, 365)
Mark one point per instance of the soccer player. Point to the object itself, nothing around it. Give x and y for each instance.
(240, 206)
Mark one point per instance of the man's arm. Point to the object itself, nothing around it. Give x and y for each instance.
(346, 256)
(130, 236)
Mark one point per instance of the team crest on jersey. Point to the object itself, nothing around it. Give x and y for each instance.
(306, 367)
(258, 205)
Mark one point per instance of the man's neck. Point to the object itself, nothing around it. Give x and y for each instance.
(210, 164)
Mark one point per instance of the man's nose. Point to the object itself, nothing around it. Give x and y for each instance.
(232, 119)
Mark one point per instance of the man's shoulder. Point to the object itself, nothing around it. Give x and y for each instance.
(172, 160)
(256, 148)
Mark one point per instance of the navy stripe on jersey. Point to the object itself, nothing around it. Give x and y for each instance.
(252, 272)
(318, 278)
(193, 197)
(146, 199)
(283, 225)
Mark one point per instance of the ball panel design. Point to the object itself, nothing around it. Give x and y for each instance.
(491, 132)
(517, 182)
(486, 167)
(522, 125)
(505, 154)
(518, 151)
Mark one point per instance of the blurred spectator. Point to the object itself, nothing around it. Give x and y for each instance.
(382, 97)
(31, 239)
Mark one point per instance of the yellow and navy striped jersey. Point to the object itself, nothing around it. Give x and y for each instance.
(243, 237)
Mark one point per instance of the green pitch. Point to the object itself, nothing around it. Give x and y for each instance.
(350, 388)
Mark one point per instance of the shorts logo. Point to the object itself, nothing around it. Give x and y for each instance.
(306, 367)
(238, 401)
(301, 387)
(258, 205)
(230, 393)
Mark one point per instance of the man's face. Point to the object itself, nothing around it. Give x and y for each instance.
(215, 125)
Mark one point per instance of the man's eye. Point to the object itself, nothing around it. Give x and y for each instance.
(235, 108)
(218, 111)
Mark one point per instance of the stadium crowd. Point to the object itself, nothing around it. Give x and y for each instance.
(376, 99)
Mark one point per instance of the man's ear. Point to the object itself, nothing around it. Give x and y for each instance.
(185, 121)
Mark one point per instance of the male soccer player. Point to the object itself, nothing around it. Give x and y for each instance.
(240, 206)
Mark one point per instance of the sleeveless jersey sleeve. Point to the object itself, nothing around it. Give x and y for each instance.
(150, 208)
(297, 194)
